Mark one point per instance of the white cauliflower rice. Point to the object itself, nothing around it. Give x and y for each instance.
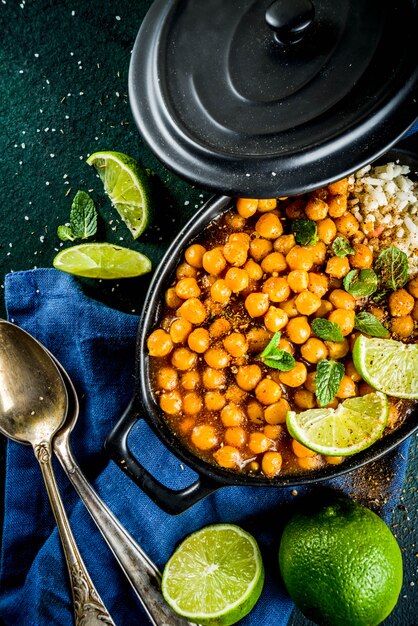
(385, 202)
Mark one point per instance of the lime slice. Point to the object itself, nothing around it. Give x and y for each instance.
(387, 365)
(102, 260)
(215, 576)
(127, 187)
(353, 426)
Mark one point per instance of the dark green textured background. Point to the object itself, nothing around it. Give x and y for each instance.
(63, 95)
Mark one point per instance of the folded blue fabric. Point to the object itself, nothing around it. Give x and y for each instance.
(96, 345)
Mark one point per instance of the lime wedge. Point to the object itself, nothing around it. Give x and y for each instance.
(127, 187)
(102, 260)
(353, 426)
(388, 366)
(215, 576)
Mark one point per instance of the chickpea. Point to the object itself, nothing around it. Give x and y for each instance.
(217, 358)
(347, 388)
(213, 261)
(248, 376)
(275, 319)
(365, 389)
(171, 298)
(190, 380)
(183, 359)
(219, 328)
(235, 394)
(276, 413)
(236, 344)
(318, 283)
(284, 344)
(170, 402)
(339, 187)
(337, 267)
(246, 207)
(301, 451)
(185, 270)
(192, 403)
(187, 424)
(236, 279)
(269, 226)
(193, 311)
(273, 431)
(378, 312)
(337, 349)
(337, 205)
(180, 329)
(256, 304)
(276, 288)
(235, 436)
(242, 238)
(319, 252)
(304, 399)
(220, 292)
(213, 379)
(255, 412)
(310, 382)
(284, 243)
(204, 437)
(267, 205)
(214, 400)
(232, 415)
(289, 307)
(228, 457)
(159, 343)
(259, 443)
(199, 340)
(274, 262)
(260, 248)
(296, 210)
(300, 258)
(257, 339)
(412, 287)
(414, 312)
(363, 258)
(307, 302)
(271, 463)
(267, 391)
(310, 462)
(342, 300)
(314, 350)
(294, 377)
(344, 318)
(253, 269)
(235, 253)
(316, 209)
(327, 230)
(298, 280)
(331, 405)
(325, 308)
(194, 255)
(334, 460)
(298, 329)
(167, 378)
(401, 303)
(403, 326)
(351, 371)
(347, 224)
(235, 221)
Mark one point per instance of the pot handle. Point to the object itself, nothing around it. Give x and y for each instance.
(169, 500)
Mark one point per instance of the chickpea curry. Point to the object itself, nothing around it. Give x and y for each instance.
(272, 290)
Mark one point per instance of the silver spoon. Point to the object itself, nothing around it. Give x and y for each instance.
(33, 406)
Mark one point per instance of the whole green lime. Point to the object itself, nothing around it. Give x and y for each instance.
(341, 565)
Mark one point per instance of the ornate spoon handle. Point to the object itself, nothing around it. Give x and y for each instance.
(88, 606)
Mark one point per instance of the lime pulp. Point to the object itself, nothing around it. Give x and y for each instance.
(102, 260)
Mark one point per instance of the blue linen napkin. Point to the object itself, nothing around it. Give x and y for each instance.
(96, 345)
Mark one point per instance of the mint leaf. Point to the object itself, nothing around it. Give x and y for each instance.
(274, 357)
(65, 233)
(369, 325)
(327, 380)
(305, 232)
(341, 247)
(272, 346)
(83, 216)
(392, 267)
(360, 282)
(326, 330)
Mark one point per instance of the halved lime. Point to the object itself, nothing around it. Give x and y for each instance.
(387, 365)
(353, 426)
(102, 260)
(127, 187)
(215, 576)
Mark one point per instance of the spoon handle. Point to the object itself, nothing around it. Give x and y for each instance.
(88, 606)
(141, 572)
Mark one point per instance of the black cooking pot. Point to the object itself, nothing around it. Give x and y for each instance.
(144, 404)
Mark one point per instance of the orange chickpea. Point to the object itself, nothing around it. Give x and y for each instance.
(298, 280)
(269, 226)
(235, 394)
(257, 339)
(304, 399)
(235, 436)
(267, 205)
(289, 307)
(179, 330)
(170, 402)
(255, 412)
(276, 413)
(159, 343)
(363, 258)
(192, 403)
(276, 288)
(219, 328)
(256, 304)
(365, 389)
(204, 437)
(260, 248)
(213, 261)
(412, 287)
(228, 457)
(236, 344)
(194, 255)
(347, 224)
(318, 283)
(235, 221)
(171, 298)
(267, 391)
(337, 205)
(344, 318)
(334, 460)
(284, 344)
(236, 279)
(284, 243)
(298, 329)
(190, 380)
(242, 238)
(214, 400)
(199, 340)
(232, 415)
(183, 359)
(339, 187)
(307, 302)
(187, 424)
(337, 267)
(319, 252)
(185, 270)
(271, 463)
(294, 377)
(274, 262)
(325, 308)
(246, 207)
(275, 319)
(337, 349)
(403, 326)
(331, 405)
(167, 378)
(314, 350)
(340, 299)
(300, 450)
(400, 303)
(351, 371)
(213, 379)
(217, 358)
(296, 210)
(414, 312)
(273, 431)
(309, 462)
(253, 269)
(327, 230)
(310, 382)
(259, 443)
(347, 388)
(193, 311)
(235, 253)
(300, 258)
(220, 292)
(248, 376)
(316, 209)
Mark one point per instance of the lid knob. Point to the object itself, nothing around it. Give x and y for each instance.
(290, 19)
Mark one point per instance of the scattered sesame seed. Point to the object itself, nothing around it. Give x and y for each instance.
(42, 238)
(187, 202)
(36, 55)
(23, 146)
(47, 182)
(20, 71)
(72, 13)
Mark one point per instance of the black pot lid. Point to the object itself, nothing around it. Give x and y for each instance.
(262, 99)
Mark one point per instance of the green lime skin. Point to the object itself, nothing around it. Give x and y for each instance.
(341, 565)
